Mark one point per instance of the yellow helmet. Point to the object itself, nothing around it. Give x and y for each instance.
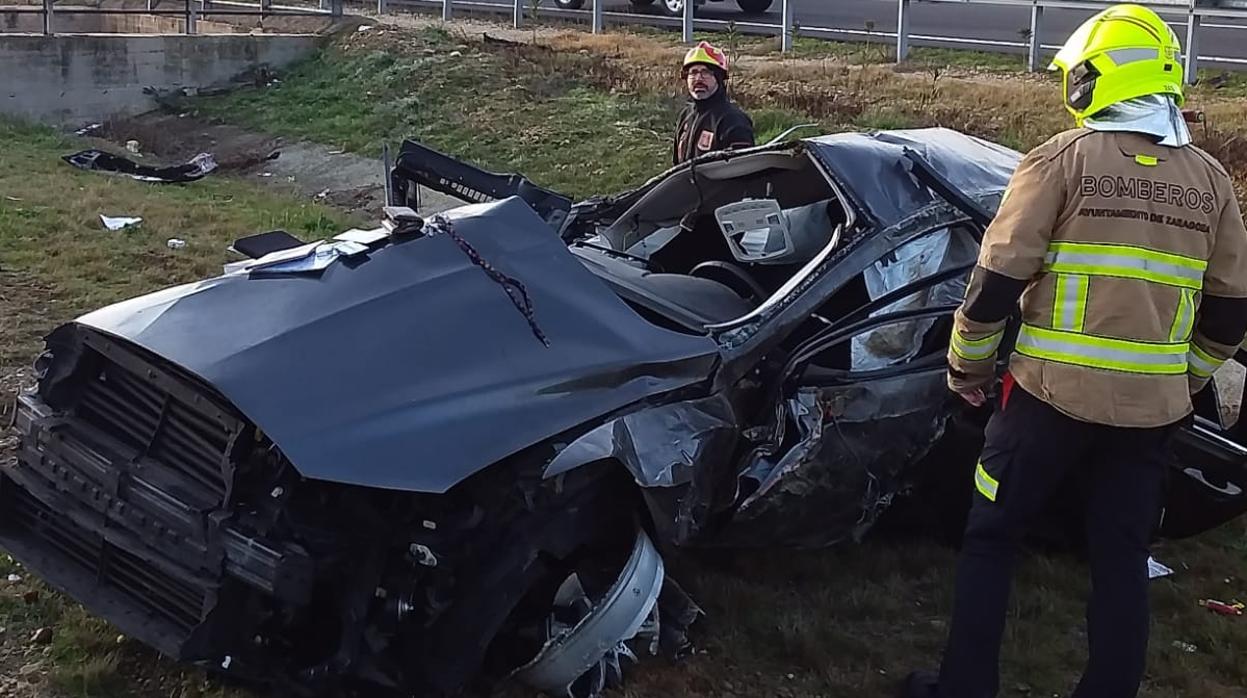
(706, 54)
(1123, 52)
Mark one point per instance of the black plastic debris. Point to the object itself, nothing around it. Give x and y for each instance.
(260, 244)
(99, 161)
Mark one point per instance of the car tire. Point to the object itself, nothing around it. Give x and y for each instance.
(754, 7)
(569, 4)
(672, 8)
(641, 3)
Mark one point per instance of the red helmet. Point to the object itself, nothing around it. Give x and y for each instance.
(706, 54)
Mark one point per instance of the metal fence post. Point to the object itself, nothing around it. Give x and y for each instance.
(517, 14)
(446, 11)
(1191, 66)
(786, 37)
(688, 21)
(1032, 51)
(381, 8)
(47, 17)
(902, 30)
(192, 17)
(598, 23)
(335, 8)
(267, 5)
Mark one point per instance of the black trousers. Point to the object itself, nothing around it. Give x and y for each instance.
(1030, 448)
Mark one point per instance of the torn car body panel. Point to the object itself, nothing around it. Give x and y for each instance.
(384, 467)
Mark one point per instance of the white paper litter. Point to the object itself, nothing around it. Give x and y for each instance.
(1155, 569)
(119, 222)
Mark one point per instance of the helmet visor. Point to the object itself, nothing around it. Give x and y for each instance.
(1072, 52)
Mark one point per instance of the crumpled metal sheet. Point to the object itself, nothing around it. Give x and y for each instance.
(845, 452)
(681, 454)
(870, 168)
(662, 446)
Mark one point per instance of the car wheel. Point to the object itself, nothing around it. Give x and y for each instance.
(674, 8)
(754, 7)
(569, 4)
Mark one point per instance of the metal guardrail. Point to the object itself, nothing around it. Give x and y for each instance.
(787, 29)
(190, 10)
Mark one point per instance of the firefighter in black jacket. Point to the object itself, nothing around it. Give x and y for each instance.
(711, 121)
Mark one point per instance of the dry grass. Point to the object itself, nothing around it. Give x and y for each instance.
(838, 91)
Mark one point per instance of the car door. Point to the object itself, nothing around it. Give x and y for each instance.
(857, 404)
(1208, 484)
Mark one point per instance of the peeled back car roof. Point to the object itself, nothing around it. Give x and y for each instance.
(871, 168)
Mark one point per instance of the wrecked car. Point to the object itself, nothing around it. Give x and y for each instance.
(453, 450)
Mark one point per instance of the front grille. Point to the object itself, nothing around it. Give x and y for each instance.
(151, 419)
(179, 602)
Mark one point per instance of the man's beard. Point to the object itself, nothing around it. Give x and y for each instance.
(705, 94)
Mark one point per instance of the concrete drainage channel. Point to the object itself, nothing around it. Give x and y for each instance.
(100, 72)
(103, 64)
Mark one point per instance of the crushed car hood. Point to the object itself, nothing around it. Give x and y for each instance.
(411, 368)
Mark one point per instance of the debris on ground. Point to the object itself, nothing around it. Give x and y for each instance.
(1185, 646)
(1234, 608)
(42, 636)
(99, 161)
(133, 146)
(119, 222)
(176, 244)
(1155, 570)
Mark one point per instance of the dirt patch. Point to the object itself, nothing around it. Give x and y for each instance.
(344, 180)
(24, 313)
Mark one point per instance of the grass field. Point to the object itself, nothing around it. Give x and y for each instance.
(587, 115)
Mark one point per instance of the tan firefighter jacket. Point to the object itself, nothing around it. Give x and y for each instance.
(1119, 241)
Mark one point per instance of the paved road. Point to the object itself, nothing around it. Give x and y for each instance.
(1218, 37)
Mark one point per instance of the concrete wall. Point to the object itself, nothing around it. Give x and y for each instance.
(75, 79)
(83, 23)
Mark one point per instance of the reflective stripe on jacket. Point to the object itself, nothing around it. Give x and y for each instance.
(1118, 240)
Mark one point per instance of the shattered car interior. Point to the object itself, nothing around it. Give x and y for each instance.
(456, 449)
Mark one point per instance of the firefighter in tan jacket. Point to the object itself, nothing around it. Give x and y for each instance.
(1126, 248)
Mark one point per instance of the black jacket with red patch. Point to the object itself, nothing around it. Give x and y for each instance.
(715, 123)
